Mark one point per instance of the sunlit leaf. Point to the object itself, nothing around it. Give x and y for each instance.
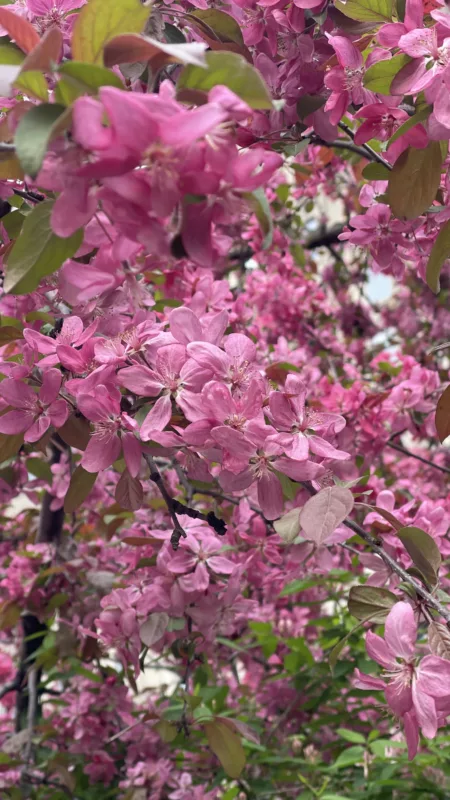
(226, 69)
(98, 22)
(38, 251)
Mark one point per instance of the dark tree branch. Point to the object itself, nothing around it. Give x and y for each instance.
(174, 507)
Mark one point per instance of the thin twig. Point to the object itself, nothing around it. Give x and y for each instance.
(401, 449)
(175, 507)
(390, 562)
(371, 154)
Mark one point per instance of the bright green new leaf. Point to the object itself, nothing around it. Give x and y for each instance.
(366, 10)
(99, 21)
(227, 69)
(353, 755)
(351, 736)
(33, 135)
(379, 76)
(227, 746)
(423, 550)
(261, 208)
(81, 483)
(90, 76)
(438, 256)
(10, 54)
(414, 181)
(38, 251)
(32, 83)
(376, 172)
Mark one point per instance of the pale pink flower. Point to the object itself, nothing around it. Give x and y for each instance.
(411, 688)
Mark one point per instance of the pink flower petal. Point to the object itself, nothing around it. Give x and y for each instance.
(401, 631)
(379, 651)
(157, 418)
(433, 676)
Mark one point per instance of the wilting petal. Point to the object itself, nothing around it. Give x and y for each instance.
(379, 651)
(433, 676)
(400, 630)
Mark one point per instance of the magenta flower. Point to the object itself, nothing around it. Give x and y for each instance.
(195, 566)
(411, 688)
(289, 413)
(112, 431)
(346, 80)
(263, 456)
(71, 335)
(389, 34)
(33, 413)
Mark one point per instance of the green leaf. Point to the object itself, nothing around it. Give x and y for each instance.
(10, 54)
(166, 730)
(89, 77)
(379, 76)
(261, 208)
(376, 172)
(81, 484)
(10, 445)
(34, 83)
(227, 746)
(423, 550)
(351, 756)
(227, 69)
(39, 468)
(33, 135)
(12, 224)
(419, 116)
(414, 181)
(366, 10)
(223, 25)
(438, 256)
(337, 649)
(38, 251)
(351, 736)
(370, 601)
(98, 22)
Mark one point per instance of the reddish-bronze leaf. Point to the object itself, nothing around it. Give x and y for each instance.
(21, 31)
(442, 417)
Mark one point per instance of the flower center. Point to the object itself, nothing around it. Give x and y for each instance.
(353, 77)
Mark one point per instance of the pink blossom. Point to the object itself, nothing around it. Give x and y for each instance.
(411, 688)
(113, 431)
(33, 412)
